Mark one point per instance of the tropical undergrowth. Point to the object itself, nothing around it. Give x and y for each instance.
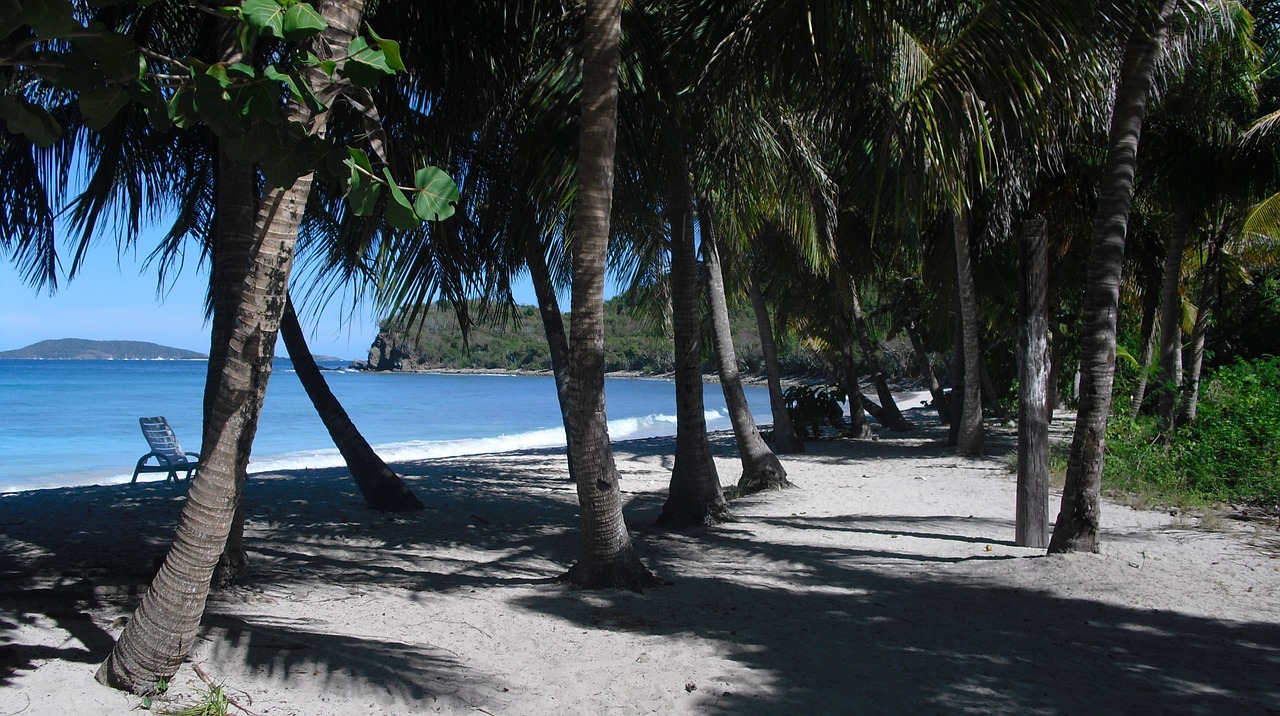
(1230, 454)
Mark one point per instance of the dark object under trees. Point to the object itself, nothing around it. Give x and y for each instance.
(381, 487)
(1031, 522)
(1076, 529)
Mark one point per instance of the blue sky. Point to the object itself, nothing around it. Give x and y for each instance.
(115, 298)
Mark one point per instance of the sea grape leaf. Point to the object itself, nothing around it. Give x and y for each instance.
(29, 120)
(435, 196)
(99, 106)
(115, 54)
(212, 101)
(299, 89)
(362, 190)
(49, 18)
(390, 48)
(265, 16)
(299, 154)
(182, 111)
(365, 66)
(400, 213)
(302, 21)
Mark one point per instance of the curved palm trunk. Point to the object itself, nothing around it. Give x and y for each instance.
(236, 213)
(1195, 352)
(553, 329)
(695, 496)
(761, 469)
(163, 629)
(1149, 309)
(381, 487)
(969, 438)
(858, 427)
(1171, 317)
(1077, 525)
(785, 438)
(889, 415)
(552, 321)
(940, 402)
(605, 557)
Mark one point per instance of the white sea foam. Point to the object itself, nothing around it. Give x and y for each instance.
(649, 426)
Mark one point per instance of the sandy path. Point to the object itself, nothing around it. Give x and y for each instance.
(887, 583)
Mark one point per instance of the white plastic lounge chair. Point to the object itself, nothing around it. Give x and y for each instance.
(165, 449)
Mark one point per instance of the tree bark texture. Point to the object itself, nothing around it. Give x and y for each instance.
(761, 469)
(940, 402)
(1150, 307)
(1077, 525)
(969, 439)
(1171, 317)
(1031, 523)
(890, 416)
(381, 487)
(785, 439)
(163, 629)
(695, 496)
(237, 209)
(606, 557)
(858, 427)
(1195, 351)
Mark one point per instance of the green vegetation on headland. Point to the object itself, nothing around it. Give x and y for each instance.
(83, 349)
(632, 344)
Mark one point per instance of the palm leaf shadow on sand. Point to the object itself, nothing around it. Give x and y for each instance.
(850, 639)
(805, 627)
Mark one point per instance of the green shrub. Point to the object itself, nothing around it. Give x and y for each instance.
(812, 407)
(1231, 453)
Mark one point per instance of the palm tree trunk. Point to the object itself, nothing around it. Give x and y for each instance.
(552, 321)
(1149, 309)
(1171, 316)
(926, 369)
(1077, 525)
(1031, 521)
(889, 415)
(235, 223)
(761, 469)
(1195, 352)
(381, 487)
(969, 439)
(695, 496)
(163, 629)
(605, 556)
(858, 427)
(785, 439)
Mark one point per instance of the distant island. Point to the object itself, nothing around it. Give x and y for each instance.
(82, 349)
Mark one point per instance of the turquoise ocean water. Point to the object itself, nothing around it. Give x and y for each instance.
(66, 423)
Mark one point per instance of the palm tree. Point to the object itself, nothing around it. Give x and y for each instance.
(1076, 528)
(163, 629)
(695, 496)
(605, 556)
(761, 469)
(381, 487)
(785, 439)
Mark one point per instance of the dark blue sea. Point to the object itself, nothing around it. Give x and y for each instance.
(65, 423)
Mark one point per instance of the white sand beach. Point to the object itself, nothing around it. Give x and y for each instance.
(886, 582)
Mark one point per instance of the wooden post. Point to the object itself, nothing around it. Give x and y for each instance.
(1032, 519)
